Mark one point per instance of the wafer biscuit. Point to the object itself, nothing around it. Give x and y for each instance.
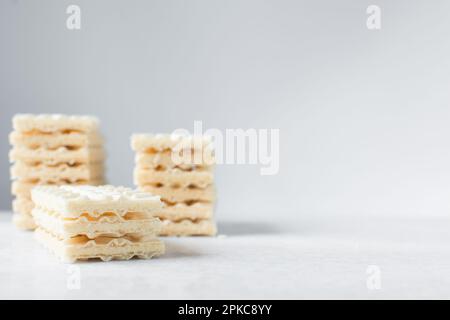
(105, 248)
(145, 142)
(62, 171)
(22, 205)
(188, 228)
(54, 122)
(180, 211)
(164, 160)
(54, 140)
(73, 201)
(182, 194)
(173, 178)
(23, 188)
(60, 155)
(23, 221)
(105, 225)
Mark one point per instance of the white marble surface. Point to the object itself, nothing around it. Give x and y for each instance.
(307, 258)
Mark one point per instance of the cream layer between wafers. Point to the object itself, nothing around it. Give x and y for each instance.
(93, 171)
(108, 224)
(55, 140)
(206, 227)
(62, 154)
(164, 160)
(81, 222)
(104, 248)
(181, 211)
(173, 178)
(187, 194)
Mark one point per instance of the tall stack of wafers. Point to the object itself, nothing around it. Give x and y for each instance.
(180, 170)
(52, 149)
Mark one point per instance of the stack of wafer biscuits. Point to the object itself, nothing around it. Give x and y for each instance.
(52, 149)
(180, 170)
(106, 222)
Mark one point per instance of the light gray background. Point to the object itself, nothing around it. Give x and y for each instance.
(363, 115)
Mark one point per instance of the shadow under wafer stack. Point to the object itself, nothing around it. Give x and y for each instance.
(180, 170)
(52, 150)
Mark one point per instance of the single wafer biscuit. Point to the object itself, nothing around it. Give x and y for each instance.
(54, 122)
(21, 170)
(106, 225)
(73, 201)
(23, 188)
(173, 178)
(105, 248)
(182, 194)
(180, 211)
(60, 155)
(188, 228)
(164, 161)
(143, 142)
(54, 140)
(23, 221)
